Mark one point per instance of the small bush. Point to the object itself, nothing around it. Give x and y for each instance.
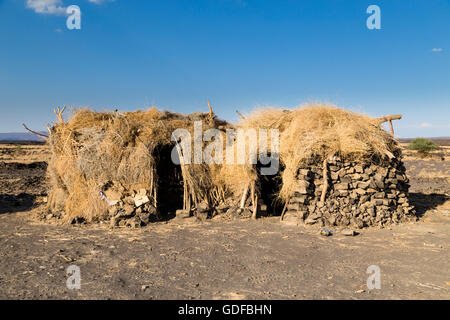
(18, 150)
(423, 146)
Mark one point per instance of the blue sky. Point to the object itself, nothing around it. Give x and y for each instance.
(239, 54)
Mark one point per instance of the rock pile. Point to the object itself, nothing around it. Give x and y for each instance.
(129, 208)
(358, 195)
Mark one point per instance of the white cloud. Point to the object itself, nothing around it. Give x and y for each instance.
(46, 6)
(425, 125)
(437, 50)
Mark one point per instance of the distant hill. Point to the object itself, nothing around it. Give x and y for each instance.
(20, 136)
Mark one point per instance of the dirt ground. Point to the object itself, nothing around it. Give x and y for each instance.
(218, 258)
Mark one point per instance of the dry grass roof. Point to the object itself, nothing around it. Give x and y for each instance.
(93, 149)
(314, 133)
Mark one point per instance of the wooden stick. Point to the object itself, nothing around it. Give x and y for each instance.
(193, 197)
(325, 180)
(392, 127)
(58, 111)
(155, 195)
(252, 193)
(255, 207)
(211, 113)
(188, 201)
(184, 196)
(244, 196)
(240, 114)
(210, 109)
(34, 132)
(152, 183)
(390, 117)
(254, 198)
(284, 209)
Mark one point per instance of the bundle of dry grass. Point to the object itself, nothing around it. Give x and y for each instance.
(313, 134)
(108, 164)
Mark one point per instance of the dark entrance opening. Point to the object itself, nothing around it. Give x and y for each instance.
(170, 183)
(269, 186)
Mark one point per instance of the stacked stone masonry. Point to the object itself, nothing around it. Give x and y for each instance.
(358, 195)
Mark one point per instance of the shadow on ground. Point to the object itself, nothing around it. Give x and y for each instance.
(424, 202)
(13, 203)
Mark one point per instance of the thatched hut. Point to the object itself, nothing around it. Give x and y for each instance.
(337, 168)
(119, 167)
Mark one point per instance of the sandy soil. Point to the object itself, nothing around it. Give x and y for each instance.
(219, 259)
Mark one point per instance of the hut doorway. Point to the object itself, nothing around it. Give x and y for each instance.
(269, 188)
(170, 183)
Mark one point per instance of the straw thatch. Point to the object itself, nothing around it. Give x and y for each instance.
(313, 134)
(101, 158)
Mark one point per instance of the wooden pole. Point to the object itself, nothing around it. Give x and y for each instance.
(284, 209)
(392, 127)
(389, 119)
(255, 207)
(244, 196)
(254, 200)
(240, 114)
(34, 132)
(211, 113)
(184, 196)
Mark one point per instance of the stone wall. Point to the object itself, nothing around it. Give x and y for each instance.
(358, 195)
